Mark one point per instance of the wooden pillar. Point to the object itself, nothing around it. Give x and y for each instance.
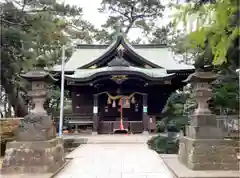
(95, 114)
(145, 114)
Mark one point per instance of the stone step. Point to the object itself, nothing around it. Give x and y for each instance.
(112, 139)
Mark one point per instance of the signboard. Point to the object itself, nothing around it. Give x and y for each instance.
(145, 109)
(150, 120)
(95, 109)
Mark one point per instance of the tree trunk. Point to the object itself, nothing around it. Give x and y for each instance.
(9, 109)
(14, 97)
(18, 103)
(5, 106)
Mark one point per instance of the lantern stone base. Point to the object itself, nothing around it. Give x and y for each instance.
(204, 132)
(208, 154)
(33, 157)
(179, 170)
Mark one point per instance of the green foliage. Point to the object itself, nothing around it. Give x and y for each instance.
(130, 14)
(160, 125)
(177, 123)
(215, 39)
(226, 93)
(32, 35)
(215, 23)
(175, 104)
(163, 144)
(174, 124)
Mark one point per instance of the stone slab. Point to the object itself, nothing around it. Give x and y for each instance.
(109, 139)
(27, 176)
(33, 157)
(181, 171)
(115, 161)
(208, 154)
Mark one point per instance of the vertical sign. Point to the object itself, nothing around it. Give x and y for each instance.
(145, 109)
(95, 110)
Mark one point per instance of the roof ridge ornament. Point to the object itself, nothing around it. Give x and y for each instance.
(118, 29)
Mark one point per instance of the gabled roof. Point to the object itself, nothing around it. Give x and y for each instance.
(156, 56)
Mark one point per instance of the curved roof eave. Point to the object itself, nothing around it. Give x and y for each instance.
(90, 74)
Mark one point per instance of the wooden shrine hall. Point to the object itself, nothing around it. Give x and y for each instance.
(121, 87)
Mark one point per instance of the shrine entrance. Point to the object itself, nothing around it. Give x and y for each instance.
(120, 113)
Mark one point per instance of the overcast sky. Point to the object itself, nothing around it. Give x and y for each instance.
(90, 11)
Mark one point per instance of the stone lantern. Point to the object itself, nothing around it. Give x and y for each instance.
(39, 80)
(203, 122)
(204, 146)
(36, 149)
(38, 88)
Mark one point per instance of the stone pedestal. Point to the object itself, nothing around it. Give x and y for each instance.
(36, 149)
(33, 157)
(208, 154)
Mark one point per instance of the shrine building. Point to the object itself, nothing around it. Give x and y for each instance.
(121, 87)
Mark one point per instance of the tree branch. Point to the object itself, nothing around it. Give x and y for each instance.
(129, 26)
(24, 4)
(10, 23)
(118, 11)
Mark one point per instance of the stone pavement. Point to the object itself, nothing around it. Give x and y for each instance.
(115, 161)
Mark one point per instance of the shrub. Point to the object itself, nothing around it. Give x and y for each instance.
(160, 126)
(163, 144)
(177, 123)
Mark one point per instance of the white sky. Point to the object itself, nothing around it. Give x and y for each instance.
(91, 14)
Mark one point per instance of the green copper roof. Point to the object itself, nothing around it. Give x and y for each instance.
(160, 56)
(86, 73)
(157, 56)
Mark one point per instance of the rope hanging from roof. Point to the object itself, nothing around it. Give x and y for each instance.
(121, 98)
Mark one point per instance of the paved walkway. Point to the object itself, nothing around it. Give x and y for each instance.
(114, 161)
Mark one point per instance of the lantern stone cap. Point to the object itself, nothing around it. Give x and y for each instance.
(38, 75)
(202, 75)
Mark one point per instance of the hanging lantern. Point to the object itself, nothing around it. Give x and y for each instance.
(109, 101)
(133, 101)
(114, 104)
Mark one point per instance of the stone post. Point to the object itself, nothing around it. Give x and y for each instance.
(36, 149)
(204, 146)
